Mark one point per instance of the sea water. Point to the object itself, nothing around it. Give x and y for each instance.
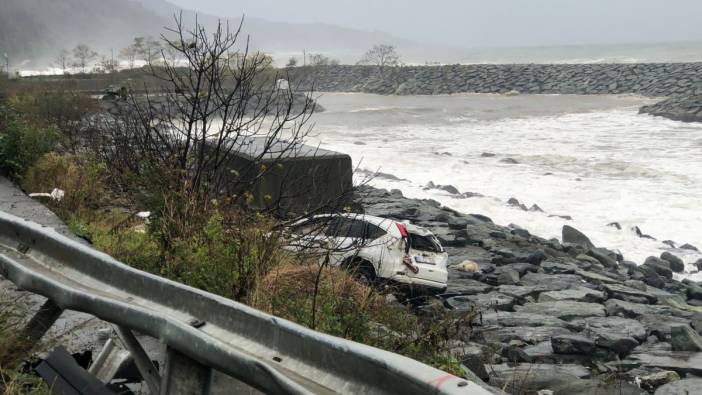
(591, 158)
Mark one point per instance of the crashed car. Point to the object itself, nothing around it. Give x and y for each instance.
(373, 248)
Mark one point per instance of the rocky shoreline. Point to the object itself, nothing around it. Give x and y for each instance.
(560, 315)
(685, 109)
(646, 79)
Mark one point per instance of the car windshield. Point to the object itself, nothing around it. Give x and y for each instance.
(424, 243)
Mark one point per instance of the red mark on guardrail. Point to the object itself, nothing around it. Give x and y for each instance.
(441, 380)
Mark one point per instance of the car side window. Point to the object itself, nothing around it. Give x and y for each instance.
(348, 227)
(338, 227)
(374, 232)
(357, 229)
(312, 227)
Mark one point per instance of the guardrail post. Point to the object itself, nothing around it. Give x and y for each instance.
(42, 321)
(147, 369)
(184, 376)
(109, 361)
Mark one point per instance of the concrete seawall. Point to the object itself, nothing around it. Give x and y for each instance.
(648, 79)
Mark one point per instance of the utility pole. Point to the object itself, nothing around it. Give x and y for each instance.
(304, 58)
(113, 66)
(7, 65)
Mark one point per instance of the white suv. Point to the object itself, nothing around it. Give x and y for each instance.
(374, 248)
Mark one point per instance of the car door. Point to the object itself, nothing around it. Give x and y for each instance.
(347, 235)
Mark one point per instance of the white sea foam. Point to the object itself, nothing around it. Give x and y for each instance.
(597, 165)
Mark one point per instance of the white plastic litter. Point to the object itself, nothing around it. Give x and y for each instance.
(56, 194)
(282, 84)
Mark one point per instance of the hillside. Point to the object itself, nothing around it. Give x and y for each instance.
(33, 31)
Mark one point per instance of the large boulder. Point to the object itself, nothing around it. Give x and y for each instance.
(507, 277)
(579, 294)
(682, 362)
(472, 356)
(632, 310)
(661, 326)
(481, 302)
(572, 344)
(696, 322)
(470, 375)
(552, 267)
(565, 309)
(535, 377)
(466, 286)
(603, 256)
(650, 382)
(684, 338)
(520, 267)
(506, 318)
(618, 291)
(676, 264)
(681, 387)
(573, 236)
(521, 292)
(650, 276)
(599, 278)
(660, 266)
(620, 335)
(552, 282)
(689, 247)
(526, 334)
(617, 326)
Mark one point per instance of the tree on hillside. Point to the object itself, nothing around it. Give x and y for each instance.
(318, 59)
(292, 62)
(83, 55)
(248, 59)
(172, 55)
(133, 51)
(107, 65)
(129, 54)
(62, 60)
(381, 55)
(151, 50)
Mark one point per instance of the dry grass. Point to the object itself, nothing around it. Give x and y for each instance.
(15, 350)
(323, 298)
(300, 281)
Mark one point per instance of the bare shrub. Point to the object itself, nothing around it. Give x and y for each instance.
(185, 138)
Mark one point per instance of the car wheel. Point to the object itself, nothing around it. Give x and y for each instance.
(363, 272)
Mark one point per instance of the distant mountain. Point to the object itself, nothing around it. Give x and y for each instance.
(32, 32)
(290, 39)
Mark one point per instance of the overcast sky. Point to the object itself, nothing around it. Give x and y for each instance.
(486, 23)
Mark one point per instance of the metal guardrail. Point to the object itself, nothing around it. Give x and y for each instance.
(204, 330)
